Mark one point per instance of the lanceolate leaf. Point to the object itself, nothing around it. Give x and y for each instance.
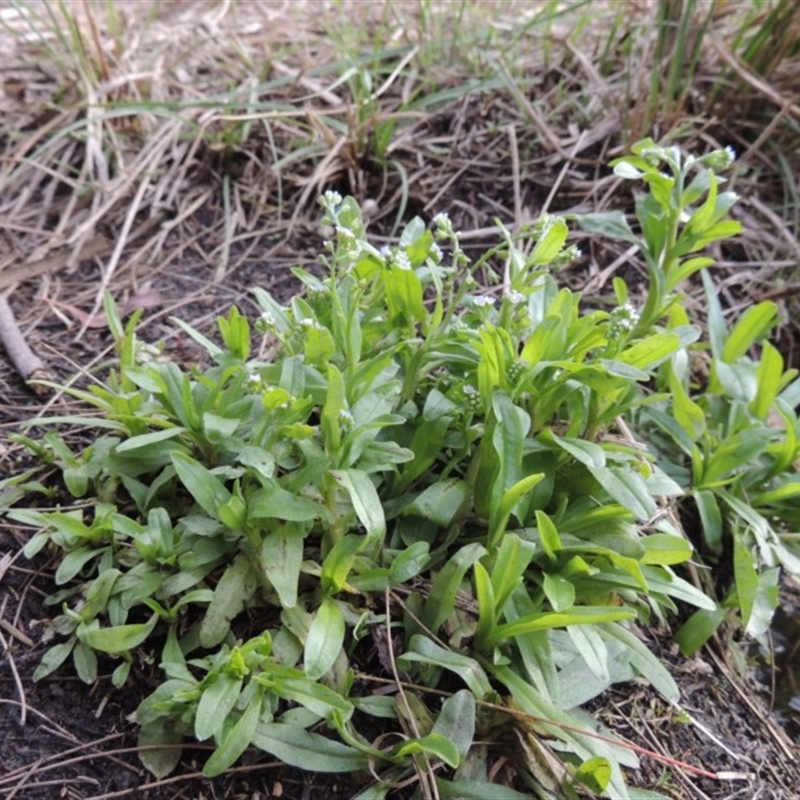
(309, 751)
(366, 503)
(424, 650)
(581, 615)
(324, 639)
(117, 639)
(235, 588)
(215, 704)
(441, 601)
(205, 487)
(236, 741)
(282, 557)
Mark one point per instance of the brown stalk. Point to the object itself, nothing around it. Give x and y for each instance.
(25, 361)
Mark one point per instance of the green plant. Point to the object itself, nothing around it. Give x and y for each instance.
(424, 469)
(725, 427)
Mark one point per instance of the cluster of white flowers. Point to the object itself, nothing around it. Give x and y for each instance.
(443, 225)
(482, 301)
(265, 323)
(396, 257)
(567, 256)
(331, 200)
(623, 320)
(346, 419)
(255, 382)
(472, 397)
(309, 324)
(719, 159)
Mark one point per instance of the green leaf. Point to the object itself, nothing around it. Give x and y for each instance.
(85, 662)
(595, 773)
(753, 325)
(335, 404)
(464, 789)
(212, 349)
(756, 590)
(53, 659)
(219, 429)
(650, 352)
(338, 563)
(74, 561)
(612, 224)
(440, 502)
(422, 649)
(508, 501)
(433, 744)
(687, 413)
(509, 566)
(282, 558)
(587, 453)
(548, 535)
(592, 647)
(316, 697)
(148, 439)
(366, 503)
(237, 740)
(410, 562)
(216, 702)
(159, 747)
(628, 488)
(644, 662)
(404, 295)
(550, 243)
(274, 502)
(308, 751)
(698, 629)
(441, 601)
(118, 639)
(259, 459)
(559, 591)
(710, 518)
(204, 486)
(324, 640)
(580, 615)
(686, 269)
(487, 612)
(235, 588)
(664, 548)
(770, 375)
(456, 721)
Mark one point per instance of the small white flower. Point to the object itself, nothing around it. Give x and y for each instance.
(435, 253)
(332, 198)
(265, 323)
(515, 298)
(483, 301)
(401, 260)
(731, 153)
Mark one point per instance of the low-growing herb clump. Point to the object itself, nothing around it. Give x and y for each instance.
(427, 521)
